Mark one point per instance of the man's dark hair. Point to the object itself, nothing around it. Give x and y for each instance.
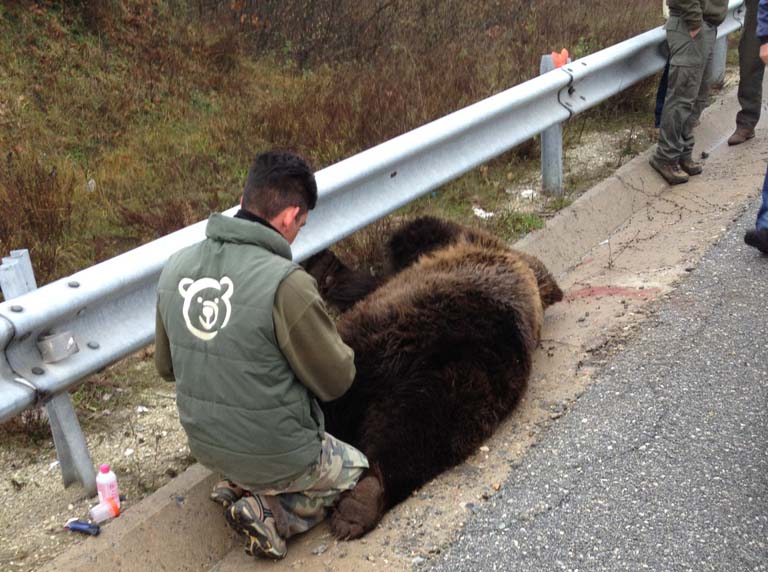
(278, 180)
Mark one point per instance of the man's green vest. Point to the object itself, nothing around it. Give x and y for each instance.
(245, 413)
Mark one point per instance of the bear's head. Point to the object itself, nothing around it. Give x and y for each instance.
(206, 305)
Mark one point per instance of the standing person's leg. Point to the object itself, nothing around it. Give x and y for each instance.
(661, 95)
(758, 238)
(762, 214)
(706, 39)
(270, 516)
(751, 70)
(685, 72)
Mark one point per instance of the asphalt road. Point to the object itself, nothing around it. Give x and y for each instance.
(662, 464)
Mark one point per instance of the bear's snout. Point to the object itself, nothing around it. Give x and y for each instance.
(210, 311)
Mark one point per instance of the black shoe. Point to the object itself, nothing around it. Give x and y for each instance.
(757, 239)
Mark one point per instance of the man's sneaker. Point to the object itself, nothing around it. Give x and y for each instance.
(670, 171)
(740, 135)
(691, 167)
(757, 239)
(226, 493)
(250, 517)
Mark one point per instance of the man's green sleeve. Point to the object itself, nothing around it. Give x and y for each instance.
(308, 338)
(691, 11)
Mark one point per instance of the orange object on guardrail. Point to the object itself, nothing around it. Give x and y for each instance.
(560, 59)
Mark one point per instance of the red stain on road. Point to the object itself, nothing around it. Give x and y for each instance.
(595, 291)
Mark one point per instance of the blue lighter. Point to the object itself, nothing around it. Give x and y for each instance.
(84, 527)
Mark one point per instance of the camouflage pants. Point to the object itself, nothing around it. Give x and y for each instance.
(302, 503)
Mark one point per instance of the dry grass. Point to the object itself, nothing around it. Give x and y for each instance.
(158, 106)
(37, 200)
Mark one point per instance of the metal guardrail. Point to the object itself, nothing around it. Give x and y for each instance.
(108, 309)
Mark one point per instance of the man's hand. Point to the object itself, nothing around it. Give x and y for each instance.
(695, 32)
(764, 53)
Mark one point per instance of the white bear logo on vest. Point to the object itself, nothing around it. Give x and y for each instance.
(206, 305)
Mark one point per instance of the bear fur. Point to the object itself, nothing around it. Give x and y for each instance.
(443, 349)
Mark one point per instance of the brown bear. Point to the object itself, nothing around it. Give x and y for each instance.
(443, 348)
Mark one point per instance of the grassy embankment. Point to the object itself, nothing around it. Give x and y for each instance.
(123, 120)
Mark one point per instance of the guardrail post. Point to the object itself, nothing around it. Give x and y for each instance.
(71, 449)
(717, 73)
(16, 278)
(551, 147)
(16, 274)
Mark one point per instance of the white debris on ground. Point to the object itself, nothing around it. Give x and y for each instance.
(480, 213)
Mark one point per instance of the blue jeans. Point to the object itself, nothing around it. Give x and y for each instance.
(762, 214)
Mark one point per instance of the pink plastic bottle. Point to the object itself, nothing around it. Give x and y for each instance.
(106, 485)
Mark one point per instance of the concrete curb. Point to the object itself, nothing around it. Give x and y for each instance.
(178, 528)
(175, 528)
(574, 231)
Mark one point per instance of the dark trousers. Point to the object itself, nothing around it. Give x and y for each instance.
(751, 70)
(661, 95)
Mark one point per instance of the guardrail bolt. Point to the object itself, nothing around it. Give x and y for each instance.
(38, 370)
(17, 309)
(73, 284)
(93, 345)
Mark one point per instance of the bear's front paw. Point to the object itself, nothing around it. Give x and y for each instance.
(358, 510)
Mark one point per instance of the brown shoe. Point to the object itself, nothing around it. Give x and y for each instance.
(740, 135)
(691, 167)
(670, 171)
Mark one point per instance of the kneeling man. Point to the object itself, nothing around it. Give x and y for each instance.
(244, 333)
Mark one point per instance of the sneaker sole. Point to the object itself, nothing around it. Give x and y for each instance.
(258, 543)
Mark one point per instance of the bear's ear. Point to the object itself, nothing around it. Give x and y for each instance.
(226, 281)
(420, 236)
(184, 285)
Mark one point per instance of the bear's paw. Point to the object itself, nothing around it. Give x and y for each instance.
(358, 510)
